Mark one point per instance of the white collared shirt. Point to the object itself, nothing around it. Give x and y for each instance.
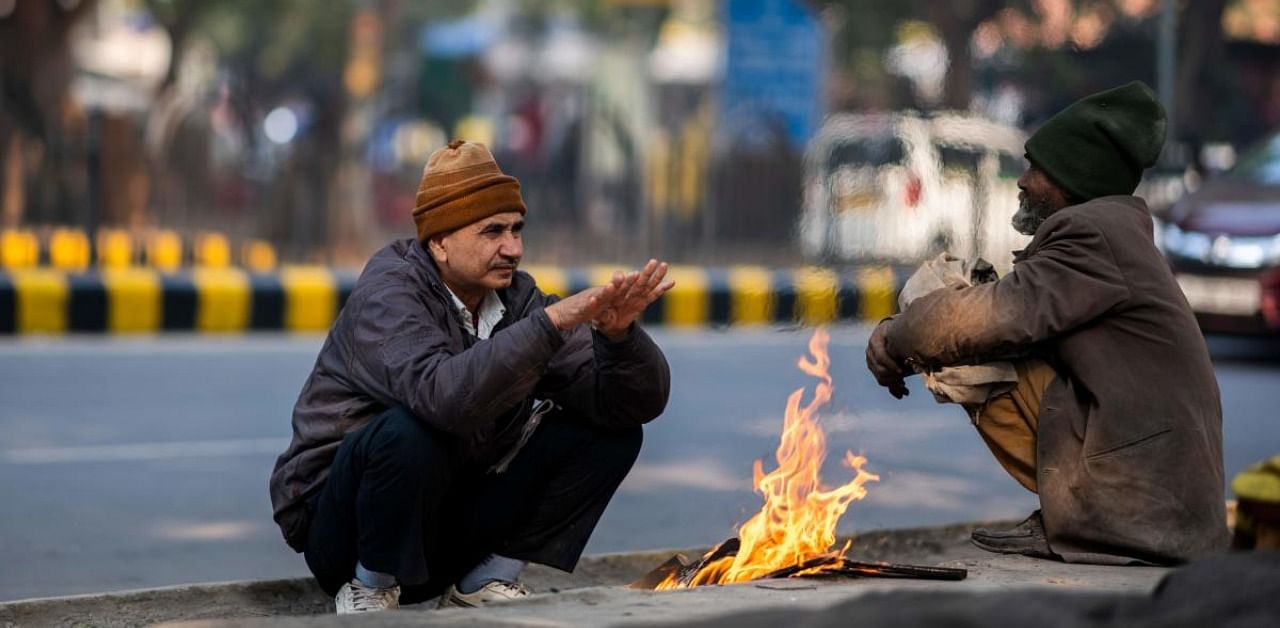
(491, 311)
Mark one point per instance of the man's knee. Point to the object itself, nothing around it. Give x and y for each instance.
(401, 439)
(621, 447)
(603, 448)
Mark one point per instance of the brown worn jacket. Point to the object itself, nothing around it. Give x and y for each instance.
(1129, 449)
(399, 341)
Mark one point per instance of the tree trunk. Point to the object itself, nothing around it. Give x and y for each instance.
(35, 73)
(176, 21)
(177, 41)
(1201, 47)
(956, 21)
(957, 87)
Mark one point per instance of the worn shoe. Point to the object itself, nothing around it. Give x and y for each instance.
(495, 592)
(355, 597)
(1027, 538)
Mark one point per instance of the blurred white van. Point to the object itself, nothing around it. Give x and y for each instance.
(902, 187)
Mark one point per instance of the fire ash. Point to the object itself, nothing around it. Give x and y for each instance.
(795, 530)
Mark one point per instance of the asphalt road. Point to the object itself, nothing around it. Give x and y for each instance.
(139, 463)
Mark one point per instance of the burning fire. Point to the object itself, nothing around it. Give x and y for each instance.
(798, 520)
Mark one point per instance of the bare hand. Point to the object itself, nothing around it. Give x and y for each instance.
(635, 291)
(883, 366)
(584, 306)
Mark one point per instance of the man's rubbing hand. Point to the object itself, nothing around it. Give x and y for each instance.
(634, 292)
(584, 306)
(881, 363)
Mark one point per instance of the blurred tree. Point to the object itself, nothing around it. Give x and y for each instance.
(1127, 51)
(268, 51)
(315, 57)
(1200, 82)
(178, 18)
(867, 28)
(35, 111)
(956, 22)
(862, 30)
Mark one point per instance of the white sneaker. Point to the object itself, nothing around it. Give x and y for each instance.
(355, 597)
(495, 592)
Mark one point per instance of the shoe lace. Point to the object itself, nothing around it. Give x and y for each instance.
(514, 589)
(371, 598)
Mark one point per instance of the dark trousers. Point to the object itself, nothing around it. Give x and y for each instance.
(399, 500)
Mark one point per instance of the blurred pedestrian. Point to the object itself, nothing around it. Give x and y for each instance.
(1115, 419)
(459, 422)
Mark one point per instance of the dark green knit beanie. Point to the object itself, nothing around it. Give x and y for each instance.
(1100, 144)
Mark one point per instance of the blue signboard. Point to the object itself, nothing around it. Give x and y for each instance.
(776, 59)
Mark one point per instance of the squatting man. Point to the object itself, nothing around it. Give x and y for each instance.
(459, 422)
(1110, 411)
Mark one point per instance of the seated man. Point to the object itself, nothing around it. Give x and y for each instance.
(1115, 419)
(459, 422)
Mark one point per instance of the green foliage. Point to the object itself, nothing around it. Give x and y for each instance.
(868, 24)
(273, 37)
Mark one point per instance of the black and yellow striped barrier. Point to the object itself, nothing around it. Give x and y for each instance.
(72, 250)
(307, 299)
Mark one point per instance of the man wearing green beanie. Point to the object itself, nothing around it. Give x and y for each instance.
(1115, 419)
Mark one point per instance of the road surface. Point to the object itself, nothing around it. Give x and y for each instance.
(143, 462)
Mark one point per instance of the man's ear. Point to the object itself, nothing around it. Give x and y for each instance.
(435, 245)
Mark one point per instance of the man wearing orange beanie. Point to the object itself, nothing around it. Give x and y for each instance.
(459, 422)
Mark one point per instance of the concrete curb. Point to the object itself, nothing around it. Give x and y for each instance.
(301, 596)
(308, 298)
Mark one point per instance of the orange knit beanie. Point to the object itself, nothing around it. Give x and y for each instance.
(460, 185)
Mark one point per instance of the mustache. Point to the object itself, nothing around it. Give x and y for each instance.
(507, 264)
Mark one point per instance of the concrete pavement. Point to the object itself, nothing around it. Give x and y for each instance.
(594, 595)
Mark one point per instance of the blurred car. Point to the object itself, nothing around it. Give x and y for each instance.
(901, 187)
(1223, 243)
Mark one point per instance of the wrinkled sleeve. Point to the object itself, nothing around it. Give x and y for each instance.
(402, 357)
(1069, 279)
(612, 384)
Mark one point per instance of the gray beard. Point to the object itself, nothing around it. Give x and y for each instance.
(1030, 215)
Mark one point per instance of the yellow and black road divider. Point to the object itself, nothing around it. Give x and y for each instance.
(308, 298)
(143, 300)
(72, 249)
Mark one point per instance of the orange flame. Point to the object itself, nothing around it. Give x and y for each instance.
(798, 520)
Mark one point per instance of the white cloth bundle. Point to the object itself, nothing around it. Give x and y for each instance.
(967, 385)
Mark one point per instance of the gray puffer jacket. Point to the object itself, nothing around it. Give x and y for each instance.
(399, 341)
